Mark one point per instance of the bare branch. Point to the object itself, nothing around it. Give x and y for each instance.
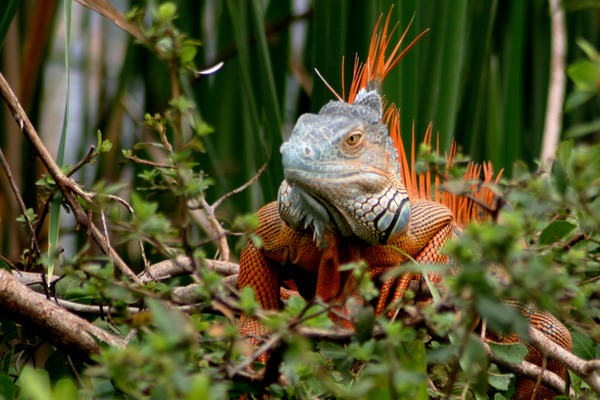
(529, 370)
(557, 84)
(182, 265)
(82, 162)
(212, 223)
(104, 8)
(141, 161)
(240, 189)
(585, 369)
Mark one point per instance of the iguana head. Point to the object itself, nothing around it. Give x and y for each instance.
(341, 172)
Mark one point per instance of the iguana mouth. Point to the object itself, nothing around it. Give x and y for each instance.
(300, 175)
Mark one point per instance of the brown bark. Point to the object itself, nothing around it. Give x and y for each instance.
(65, 330)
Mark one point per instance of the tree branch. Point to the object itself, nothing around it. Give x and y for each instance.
(56, 324)
(529, 370)
(585, 369)
(556, 86)
(182, 265)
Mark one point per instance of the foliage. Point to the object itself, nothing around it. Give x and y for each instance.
(152, 188)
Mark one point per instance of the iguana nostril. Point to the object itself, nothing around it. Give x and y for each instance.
(307, 151)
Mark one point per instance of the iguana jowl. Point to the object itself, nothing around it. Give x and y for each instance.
(343, 201)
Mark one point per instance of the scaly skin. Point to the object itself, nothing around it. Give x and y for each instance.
(343, 201)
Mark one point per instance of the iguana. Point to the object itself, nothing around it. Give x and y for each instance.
(349, 195)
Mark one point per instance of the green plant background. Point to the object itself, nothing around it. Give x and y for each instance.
(480, 75)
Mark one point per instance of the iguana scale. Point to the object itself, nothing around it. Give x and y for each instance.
(349, 194)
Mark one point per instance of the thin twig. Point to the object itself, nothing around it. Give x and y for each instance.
(220, 234)
(272, 342)
(240, 189)
(17, 194)
(132, 211)
(141, 161)
(82, 162)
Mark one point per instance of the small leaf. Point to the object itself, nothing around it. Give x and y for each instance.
(512, 352)
(34, 383)
(200, 387)
(170, 323)
(583, 129)
(583, 346)
(166, 12)
(332, 351)
(564, 152)
(187, 54)
(65, 389)
(556, 231)
(499, 381)
(365, 321)
(247, 303)
(588, 49)
(575, 99)
(585, 75)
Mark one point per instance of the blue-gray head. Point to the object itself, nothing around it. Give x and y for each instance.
(341, 172)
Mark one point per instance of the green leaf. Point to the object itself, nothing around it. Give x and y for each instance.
(556, 231)
(200, 387)
(364, 323)
(7, 387)
(166, 12)
(65, 389)
(576, 99)
(332, 351)
(510, 352)
(500, 316)
(499, 381)
(187, 54)
(170, 323)
(588, 49)
(585, 75)
(248, 303)
(583, 346)
(583, 129)
(34, 384)
(564, 152)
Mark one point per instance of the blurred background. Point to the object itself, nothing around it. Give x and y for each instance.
(480, 75)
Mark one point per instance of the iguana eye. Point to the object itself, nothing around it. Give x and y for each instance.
(354, 139)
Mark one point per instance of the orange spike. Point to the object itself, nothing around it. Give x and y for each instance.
(465, 208)
(377, 65)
